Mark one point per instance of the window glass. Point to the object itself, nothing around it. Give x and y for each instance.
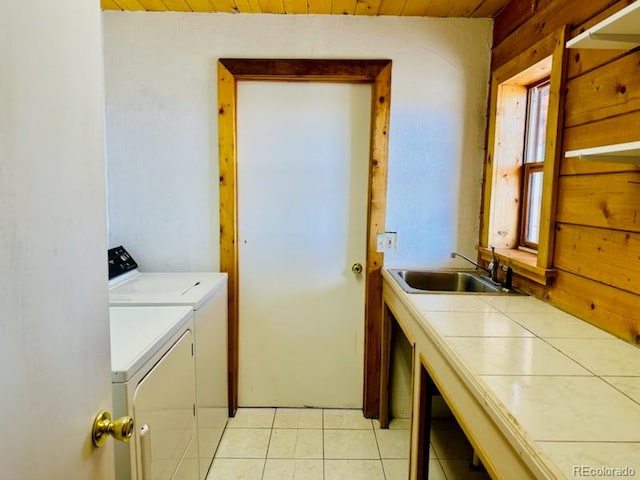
(533, 159)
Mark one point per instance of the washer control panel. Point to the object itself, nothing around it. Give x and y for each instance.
(120, 262)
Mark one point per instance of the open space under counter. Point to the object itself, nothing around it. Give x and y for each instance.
(538, 392)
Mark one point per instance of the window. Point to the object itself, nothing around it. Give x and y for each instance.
(523, 152)
(533, 163)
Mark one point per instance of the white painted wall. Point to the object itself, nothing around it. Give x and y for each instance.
(162, 134)
(54, 330)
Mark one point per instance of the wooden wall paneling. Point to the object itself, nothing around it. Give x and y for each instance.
(583, 60)
(546, 20)
(514, 14)
(603, 200)
(376, 72)
(487, 175)
(611, 309)
(575, 166)
(619, 129)
(599, 254)
(604, 92)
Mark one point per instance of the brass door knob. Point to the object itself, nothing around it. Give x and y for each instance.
(121, 428)
(356, 268)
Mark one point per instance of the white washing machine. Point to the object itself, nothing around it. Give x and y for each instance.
(153, 380)
(206, 294)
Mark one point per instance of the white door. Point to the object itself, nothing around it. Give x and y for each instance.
(303, 151)
(54, 329)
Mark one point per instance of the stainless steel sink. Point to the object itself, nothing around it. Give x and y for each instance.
(456, 281)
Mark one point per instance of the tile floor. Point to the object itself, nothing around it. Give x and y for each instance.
(327, 444)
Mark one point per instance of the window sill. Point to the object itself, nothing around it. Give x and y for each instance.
(522, 263)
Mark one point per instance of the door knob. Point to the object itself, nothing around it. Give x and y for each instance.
(356, 268)
(121, 428)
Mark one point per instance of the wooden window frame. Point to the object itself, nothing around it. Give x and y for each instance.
(502, 193)
(378, 74)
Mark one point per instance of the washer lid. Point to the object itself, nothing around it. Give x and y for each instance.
(167, 288)
(138, 333)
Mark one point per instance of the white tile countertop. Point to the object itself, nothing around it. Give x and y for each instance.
(570, 391)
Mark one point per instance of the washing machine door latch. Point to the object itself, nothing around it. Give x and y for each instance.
(121, 428)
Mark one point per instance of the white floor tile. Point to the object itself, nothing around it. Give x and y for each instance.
(353, 470)
(298, 418)
(393, 443)
(252, 418)
(455, 469)
(350, 444)
(435, 470)
(295, 443)
(395, 469)
(236, 469)
(244, 443)
(277, 469)
(346, 419)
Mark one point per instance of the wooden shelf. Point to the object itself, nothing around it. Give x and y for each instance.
(618, 153)
(620, 31)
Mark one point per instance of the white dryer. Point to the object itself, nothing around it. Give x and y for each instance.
(153, 380)
(206, 295)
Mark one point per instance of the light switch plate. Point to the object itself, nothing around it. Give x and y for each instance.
(386, 242)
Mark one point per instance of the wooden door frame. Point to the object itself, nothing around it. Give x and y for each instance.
(378, 74)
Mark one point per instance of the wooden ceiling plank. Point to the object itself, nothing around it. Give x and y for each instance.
(131, 5)
(271, 6)
(152, 5)
(177, 5)
(490, 8)
(224, 6)
(247, 6)
(391, 7)
(296, 6)
(109, 5)
(413, 8)
(319, 6)
(463, 8)
(367, 7)
(200, 5)
(343, 7)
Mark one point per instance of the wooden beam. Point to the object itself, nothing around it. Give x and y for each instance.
(227, 121)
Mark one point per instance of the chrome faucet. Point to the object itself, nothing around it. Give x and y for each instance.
(492, 269)
(494, 265)
(479, 267)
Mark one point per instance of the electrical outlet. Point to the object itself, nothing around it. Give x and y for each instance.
(386, 242)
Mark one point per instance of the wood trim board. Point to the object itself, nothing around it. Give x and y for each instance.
(378, 74)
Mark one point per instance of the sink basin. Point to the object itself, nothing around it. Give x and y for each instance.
(456, 281)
